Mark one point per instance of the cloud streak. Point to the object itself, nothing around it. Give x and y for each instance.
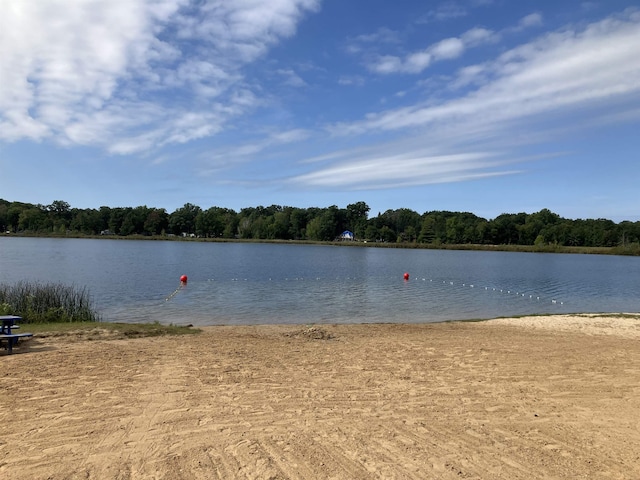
(447, 49)
(569, 69)
(127, 76)
(574, 76)
(403, 170)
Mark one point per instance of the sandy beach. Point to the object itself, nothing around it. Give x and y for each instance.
(529, 398)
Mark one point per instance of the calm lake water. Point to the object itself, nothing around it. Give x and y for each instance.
(238, 283)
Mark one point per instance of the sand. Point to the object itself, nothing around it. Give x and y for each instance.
(541, 397)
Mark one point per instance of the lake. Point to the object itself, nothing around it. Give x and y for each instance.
(253, 283)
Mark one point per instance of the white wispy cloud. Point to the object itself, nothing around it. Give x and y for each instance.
(444, 11)
(479, 36)
(361, 44)
(356, 80)
(389, 170)
(580, 74)
(532, 20)
(571, 68)
(291, 78)
(451, 9)
(213, 162)
(446, 49)
(91, 72)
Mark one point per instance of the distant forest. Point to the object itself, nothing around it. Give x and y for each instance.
(320, 224)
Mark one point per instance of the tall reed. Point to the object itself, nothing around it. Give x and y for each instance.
(42, 303)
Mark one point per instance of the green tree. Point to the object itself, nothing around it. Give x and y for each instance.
(455, 230)
(13, 215)
(433, 228)
(428, 230)
(323, 227)
(116, 217)
(31, 219)
(371, 233)
(4, 222)
(529, 232)
(183, 220)
(212, 222)
(280, 228)
(129, 222)
(505, 229)
(156, 221)
(397, 221)
(87, 221)
(387, 235)
(60, 208)
(298, 223)
(409, 234)
(356, 217)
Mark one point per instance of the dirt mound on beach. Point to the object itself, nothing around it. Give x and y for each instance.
(508, 399)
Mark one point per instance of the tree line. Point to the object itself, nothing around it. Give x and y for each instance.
(319, 224)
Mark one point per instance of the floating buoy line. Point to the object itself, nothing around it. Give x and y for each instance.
(407, 279)
(183, 283)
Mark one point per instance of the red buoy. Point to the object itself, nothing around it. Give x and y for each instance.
(183, 279)
(406, 276)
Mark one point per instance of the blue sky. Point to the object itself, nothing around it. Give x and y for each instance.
(484, 106)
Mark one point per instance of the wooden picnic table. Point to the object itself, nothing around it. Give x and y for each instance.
(10, 322)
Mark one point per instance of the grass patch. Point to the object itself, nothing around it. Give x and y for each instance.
(93, 330)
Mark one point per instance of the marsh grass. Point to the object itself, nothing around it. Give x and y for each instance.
(46, 303)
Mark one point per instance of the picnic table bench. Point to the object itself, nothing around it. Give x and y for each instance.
(9, 323)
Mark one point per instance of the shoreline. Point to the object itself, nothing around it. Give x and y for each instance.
(619, 324)
(519, 398)
(631, 250)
